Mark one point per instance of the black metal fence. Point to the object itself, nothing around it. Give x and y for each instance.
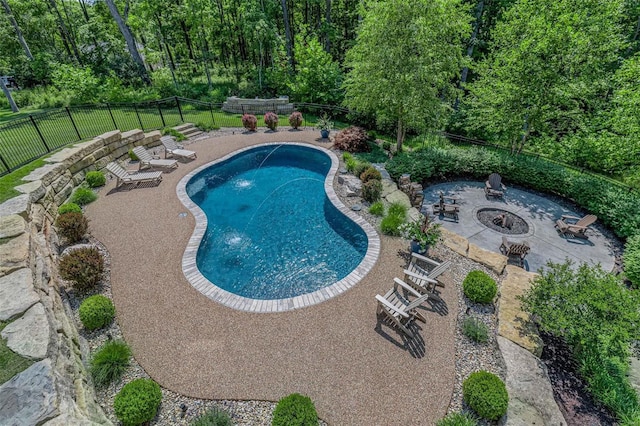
(29, 138)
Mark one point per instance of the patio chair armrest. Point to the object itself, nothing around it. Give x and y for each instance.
(578, 226)
(399, 282)
(390, 306)
(504, 188)
(566, 216)
(419, 277)
(424, 259)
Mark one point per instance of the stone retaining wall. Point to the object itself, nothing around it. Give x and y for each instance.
(55, 389)
(257, 106)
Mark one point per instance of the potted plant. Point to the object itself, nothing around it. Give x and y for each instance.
(324, 125)
(421, 234)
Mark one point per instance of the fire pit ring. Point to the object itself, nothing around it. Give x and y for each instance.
(502, 221)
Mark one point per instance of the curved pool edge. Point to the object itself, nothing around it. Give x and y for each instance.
(234, 301)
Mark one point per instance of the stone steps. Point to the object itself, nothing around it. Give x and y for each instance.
(188, 130)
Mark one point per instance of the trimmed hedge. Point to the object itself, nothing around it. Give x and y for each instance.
(69, 208)
(479, 287)
(96, 312)
(486, 394)
(295, 410)
(137, 402)
(614, 205)
(95, 179)
(72, 226)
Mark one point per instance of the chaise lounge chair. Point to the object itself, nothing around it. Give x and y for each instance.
(515, 250)
(422, 273)
(494, 187)
(171, 147)
(574, 226)
(397, 309)
(126, 177)
(148, 160)
(443, 208)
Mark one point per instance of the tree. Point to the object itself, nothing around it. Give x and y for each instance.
(16, 27)
(318, 76)
(7, 93)
(548, 70)
(405, 61)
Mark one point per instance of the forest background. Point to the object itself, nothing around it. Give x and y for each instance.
(556, 77)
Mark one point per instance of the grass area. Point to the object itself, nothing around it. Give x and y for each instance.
(10, 362)
(8, 115)
(13, 179)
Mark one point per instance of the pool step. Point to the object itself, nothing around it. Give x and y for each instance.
(188, 130)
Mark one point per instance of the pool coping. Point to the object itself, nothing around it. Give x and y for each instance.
(234, 301)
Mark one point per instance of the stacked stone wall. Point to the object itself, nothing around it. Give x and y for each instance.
(56, 388)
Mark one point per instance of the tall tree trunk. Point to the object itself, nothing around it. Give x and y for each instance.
(187, 39)
(131, 43)
(470, 48)
(287, 32)
(172, 65)
(7, 93)
(16, 27)
(327, 18)
(64, 32)
(401, 132)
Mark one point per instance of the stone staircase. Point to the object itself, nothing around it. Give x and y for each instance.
(189, 130)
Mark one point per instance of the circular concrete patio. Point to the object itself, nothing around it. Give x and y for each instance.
(540, 214)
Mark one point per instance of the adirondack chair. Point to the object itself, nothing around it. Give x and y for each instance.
(494, 187)
(447, 206)
(396, 308)
(422, 273)
(513, 250)
(571, 226)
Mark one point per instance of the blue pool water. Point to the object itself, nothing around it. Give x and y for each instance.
(272, 232)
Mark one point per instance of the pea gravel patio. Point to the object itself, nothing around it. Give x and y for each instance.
(356, 371)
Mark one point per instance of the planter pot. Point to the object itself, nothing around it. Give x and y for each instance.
(415, 247)
(324, 134)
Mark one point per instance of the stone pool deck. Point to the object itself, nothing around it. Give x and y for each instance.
(356, 371)
(540, 213)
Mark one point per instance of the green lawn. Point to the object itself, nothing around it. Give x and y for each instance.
(10, 362)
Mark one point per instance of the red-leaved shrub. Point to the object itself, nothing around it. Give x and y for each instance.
(250, 122)
(271, 120)
(352, 139)
(295, 119)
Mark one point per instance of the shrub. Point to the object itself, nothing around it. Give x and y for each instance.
(295, 119)
(205, 127)
(271, 120)
(133, 156)
(352, 139)
(250, 122)
(83, 196)
(360, 167)
(69, 208)
(632, 260)
(372, 190)
(295, 410)
(457, 419)
(96, 312)
(84, 267)
(479, 287)
(369, 174)
(351, 164)
(346, 156)
(110, 362)
(390, 225)
(398, 209)
(72, 225)
(95, 179)
(486, 394)
(377, 209)
(137, 402)
(386, 145)
(475, 330)
(179, 137)
(213, 417)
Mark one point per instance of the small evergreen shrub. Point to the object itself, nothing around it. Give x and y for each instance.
(479, 287)
(83, 267)
(213, 417)
(351, 164)
(109, 362)
(295, 119)
(486, 394)
(133, 156)
(397, 209)
(457, 419)
(137, 402)
(377, 209)
(72, 226)
(69, 208)
(370, 173)
(372, 190)
(352, 139)
(83, 196)
(295, 410)
(96, 312)
(250, 122)
(271, 120)
(95, 179)
(360, 167)
(475, 330)
(631, 259)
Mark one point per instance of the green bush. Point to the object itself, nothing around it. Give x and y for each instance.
(69, 208)
(377, 209)
(96, 312)
(133, 156)
(346, 156)
(83, 196)
(390, 225)
(213, 417)
(479, 287)
(632, 260)
(360, 167)
(295, 410)
(475, 330)
(386, 145)
(72, 226)
(84, 267)
(486, 394)
(95, 179)
(398, 209)
(457, 419)
(351, 164)
(205, 127)
(110, 362)
(370, 173)
(372, 190)
(137, 402)
(169, 131)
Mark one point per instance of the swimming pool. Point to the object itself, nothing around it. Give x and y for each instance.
(271, 234)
